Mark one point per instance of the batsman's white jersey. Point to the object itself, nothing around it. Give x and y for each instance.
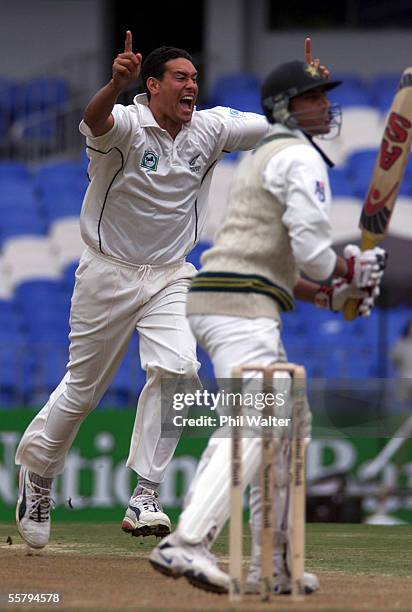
(297, 178)
(141, 215)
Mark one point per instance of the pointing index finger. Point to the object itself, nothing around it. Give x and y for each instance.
(308, 50)
(128, 42)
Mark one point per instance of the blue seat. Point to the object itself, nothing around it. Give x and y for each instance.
(41, 93)
(383, 88)
(17, 192)
(341, 184)
(234, 83)
(18, 225)
(346, 95)
(13, 170)
(61, 176)
(351, 80)
(242, 100)
(69, 278)
(12, 373)
(12, 331)
(360, 166)
(48, 366)
(62, 204)
(206, 371)
(37, 292)
(196, 253)
(8, 309)
(294, 326)
(41, 130)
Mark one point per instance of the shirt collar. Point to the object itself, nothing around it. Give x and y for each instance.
(278, 128)
(146, 116)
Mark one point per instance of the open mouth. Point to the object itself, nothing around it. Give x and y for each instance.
(187, 102)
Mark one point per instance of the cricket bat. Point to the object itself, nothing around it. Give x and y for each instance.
(387, 174)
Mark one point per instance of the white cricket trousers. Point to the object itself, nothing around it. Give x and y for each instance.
(110, 301)
(231, 342)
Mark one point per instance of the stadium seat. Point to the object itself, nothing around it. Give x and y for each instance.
(60, 204)
(360, 166)
(233, 84)
(13, 170)
(37, 290)
(28, 258)
(340, 183)
(382, 89)
(68, 279)
(65, 176)
(12, 374)
(350, 80)
(17, 225)
(17, 192)
(349, 94)
(242, 100)
(196, 253)
(41, 93)
(48, 362)
(206, 371)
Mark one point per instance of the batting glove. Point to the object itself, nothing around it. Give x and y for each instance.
(365, 268)
(335, 296)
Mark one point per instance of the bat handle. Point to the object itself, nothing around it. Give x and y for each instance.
(349, 310)
(368, 241)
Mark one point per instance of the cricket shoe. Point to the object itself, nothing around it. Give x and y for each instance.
(33, 511)
(175, 558)
(281, 583)
(144, 515)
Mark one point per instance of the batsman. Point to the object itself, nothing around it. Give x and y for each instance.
(277, 227)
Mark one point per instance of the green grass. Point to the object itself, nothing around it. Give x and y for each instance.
(352, 549)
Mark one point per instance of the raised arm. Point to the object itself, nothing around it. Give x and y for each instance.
(126, 69)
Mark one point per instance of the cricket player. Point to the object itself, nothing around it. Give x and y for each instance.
(151, 164)
(277, 227)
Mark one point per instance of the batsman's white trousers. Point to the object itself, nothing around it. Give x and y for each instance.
(110, 301)
(231, 342)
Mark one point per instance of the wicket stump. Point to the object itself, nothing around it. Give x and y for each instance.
(296, 510)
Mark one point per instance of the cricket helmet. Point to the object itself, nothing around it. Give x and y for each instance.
(285, 82)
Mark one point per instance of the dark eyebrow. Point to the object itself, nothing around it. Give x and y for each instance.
(185, 73)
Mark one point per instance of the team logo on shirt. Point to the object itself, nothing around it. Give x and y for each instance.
(194, 165)
(150, 160)
(235, 113)
(320, 190)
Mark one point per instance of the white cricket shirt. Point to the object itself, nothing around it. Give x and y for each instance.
(298, 178)
(146, 201)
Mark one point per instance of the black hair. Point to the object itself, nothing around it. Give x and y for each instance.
(154, 63)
